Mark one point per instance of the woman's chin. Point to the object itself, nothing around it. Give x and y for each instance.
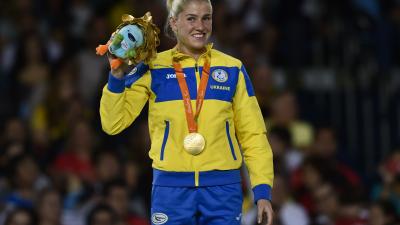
(199, 46)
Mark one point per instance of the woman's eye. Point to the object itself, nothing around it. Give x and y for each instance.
(191, 19)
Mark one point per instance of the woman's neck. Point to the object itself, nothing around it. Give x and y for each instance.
(195, 53)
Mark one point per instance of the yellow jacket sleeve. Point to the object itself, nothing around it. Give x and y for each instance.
(251, 133)
(123, 99)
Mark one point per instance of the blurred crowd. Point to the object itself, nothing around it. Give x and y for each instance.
(57, 167)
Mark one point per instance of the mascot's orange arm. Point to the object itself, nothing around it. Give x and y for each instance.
(102, 49)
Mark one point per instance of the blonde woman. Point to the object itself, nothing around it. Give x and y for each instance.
(201, 108)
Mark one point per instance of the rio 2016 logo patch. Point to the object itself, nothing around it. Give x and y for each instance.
(220, 75)
(159, 218)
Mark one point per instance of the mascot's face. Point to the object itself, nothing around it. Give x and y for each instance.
(133, 37)
(193, 26)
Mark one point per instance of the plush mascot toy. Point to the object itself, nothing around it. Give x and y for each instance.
(135, 40)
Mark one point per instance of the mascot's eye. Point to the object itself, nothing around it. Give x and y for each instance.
(131, 37)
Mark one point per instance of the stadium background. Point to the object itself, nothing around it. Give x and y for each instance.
(326, 74)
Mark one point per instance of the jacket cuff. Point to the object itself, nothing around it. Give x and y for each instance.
(116, 85)
(262, 191)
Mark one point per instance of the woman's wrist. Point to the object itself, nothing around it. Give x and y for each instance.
(118, 73)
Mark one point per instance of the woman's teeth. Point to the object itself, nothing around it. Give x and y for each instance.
(198, 35)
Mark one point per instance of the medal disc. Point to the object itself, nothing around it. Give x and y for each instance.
(194, 143)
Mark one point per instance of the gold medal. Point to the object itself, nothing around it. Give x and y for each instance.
(194, 143)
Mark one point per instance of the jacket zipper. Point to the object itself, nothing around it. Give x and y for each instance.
(230, 140)
(166, 133)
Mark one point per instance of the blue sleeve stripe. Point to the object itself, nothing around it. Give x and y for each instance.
(115, 85)
(136, 74)
(262, 191)
(249, 86)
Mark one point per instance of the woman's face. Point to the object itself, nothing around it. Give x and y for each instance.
(193, 26)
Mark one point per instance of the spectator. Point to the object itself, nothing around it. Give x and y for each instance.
(327, 206)
(21, 216)
(388, 187)
(76, 159)
(264, 85)
(132, 177)
(90, 66)
(14, 131)
(117, 196)
(107, 168)
(33, 74)
(49, 207)
(325, 146)
(288, 211)
(25, 179)
(101, 215)
(307, 179)
(335, 209)
(61, 108)
(284, 112)
(286, 158)
(383, 213)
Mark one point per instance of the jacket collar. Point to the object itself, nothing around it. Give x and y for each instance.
(176, 54)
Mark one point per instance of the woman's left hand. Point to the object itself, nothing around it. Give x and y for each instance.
(264, 208)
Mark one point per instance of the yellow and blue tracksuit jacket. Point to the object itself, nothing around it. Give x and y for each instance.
(230, 121)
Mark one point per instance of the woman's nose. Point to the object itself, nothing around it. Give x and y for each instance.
(199, 25)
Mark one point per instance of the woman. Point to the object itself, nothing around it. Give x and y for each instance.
(196, 156)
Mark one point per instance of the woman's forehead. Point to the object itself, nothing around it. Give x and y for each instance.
(197, 8)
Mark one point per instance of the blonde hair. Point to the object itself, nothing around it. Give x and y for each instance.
(175, 7)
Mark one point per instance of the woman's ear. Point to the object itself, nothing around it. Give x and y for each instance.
(172, 24)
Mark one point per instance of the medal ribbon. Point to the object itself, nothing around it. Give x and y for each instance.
(190, 118)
